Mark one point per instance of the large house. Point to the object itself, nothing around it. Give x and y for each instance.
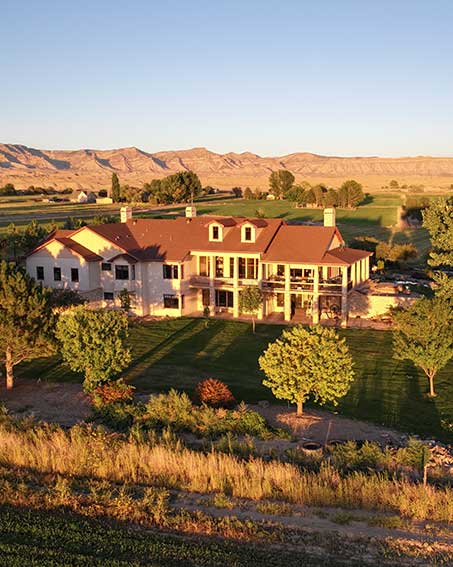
(180, 266)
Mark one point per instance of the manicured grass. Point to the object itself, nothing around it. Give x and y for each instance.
(177, 353)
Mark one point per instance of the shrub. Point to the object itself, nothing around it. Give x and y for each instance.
(214, 393)
(115, 392)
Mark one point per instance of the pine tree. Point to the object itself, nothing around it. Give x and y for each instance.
(26, 320)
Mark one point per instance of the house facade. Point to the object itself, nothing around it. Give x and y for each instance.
(181, 266)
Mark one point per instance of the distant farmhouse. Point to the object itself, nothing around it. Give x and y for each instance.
(181, 266)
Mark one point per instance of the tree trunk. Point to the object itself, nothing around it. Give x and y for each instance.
(9, 369)
(299, 411)
(253, 324)
(432, 393)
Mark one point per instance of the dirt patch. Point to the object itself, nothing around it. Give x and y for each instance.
(65, 404)
(322, 426)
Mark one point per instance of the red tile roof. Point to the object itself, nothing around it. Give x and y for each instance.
(173, 239)
(300, 244)
(344, 256)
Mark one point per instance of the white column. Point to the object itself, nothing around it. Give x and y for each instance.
(287, 294)
(315, 307)
(211, 282)
(235, 277)
(344, 296)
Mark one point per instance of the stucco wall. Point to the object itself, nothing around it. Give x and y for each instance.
(56, 255)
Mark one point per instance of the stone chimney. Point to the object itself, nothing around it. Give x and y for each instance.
(191, 212)
(329, 217)
(125, 214)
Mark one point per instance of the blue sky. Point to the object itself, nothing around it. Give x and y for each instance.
(339, 77)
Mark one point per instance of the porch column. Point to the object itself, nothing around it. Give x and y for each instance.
(236, 287)
(344, 296)
(354, 274)
(287, 306)
(367, 268)
(315, 306)
(211, 282)
(362, 270)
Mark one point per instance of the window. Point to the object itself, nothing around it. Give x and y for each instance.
(106, 267)
(133, 272)
(215, 233)
(248, 234)
(295, 273)
(57, 274)
(39, 273)
(223, 298)
(121, 272)
(248, 268)
(219, 267)
(231, 267)
(170, 272)
(108, 295)
(171, 302)
(74, 274)
(204, 266)
(280, 299)
(280, 270)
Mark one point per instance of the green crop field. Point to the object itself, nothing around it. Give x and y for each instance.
(56, 538)
(177, 353)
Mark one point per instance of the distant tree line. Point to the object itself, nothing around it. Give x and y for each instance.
(9, 190)
(282, 186)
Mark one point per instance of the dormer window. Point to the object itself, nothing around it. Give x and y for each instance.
(215, 233)
(248, 233)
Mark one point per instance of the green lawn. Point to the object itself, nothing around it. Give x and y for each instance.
(177, 353)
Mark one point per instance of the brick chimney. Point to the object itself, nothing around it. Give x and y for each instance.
(125, 214)
(329, 217)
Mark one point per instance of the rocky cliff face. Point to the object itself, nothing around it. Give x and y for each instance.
(26, 166)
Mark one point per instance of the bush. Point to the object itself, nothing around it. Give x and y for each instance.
(110, 393)
(214, 393)
(175, 410)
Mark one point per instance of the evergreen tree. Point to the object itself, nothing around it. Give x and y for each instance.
(116, 189)
(26, 320)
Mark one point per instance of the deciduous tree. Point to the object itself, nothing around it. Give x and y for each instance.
(424, 334)
(280, 182)
(307, 362)
(250, 300)
(26, 320)
(93, 342)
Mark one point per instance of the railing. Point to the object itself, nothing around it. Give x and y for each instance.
(206, 281)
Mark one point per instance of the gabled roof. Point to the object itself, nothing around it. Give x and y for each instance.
(64, 238)
(300, 244)
(173, 239)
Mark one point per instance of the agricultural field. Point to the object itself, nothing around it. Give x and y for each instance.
(377, 217)
(178, 353)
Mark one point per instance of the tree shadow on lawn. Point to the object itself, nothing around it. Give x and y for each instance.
(227, 350)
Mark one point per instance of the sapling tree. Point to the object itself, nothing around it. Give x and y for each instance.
(424, 334)
(26, 319)
(94, 342)
(250, 301)
(306, 362)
